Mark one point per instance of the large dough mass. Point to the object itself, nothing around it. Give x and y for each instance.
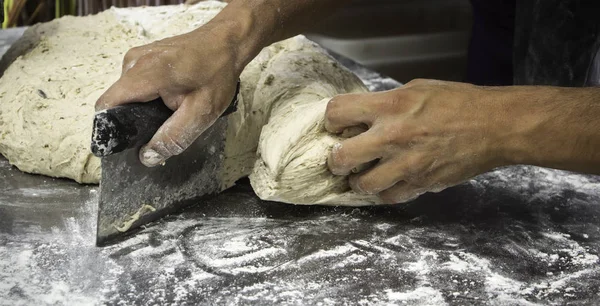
(54, 74)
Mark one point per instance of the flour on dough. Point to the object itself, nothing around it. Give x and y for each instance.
(55, 73)
(293, 147)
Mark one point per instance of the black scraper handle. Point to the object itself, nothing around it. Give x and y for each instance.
(132, 125)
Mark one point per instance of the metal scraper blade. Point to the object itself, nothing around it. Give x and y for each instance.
(132, 194)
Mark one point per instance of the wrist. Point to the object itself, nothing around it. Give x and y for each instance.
(524, 123)
(491, 120)
(237, 26)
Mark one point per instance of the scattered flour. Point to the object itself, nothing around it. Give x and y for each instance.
(419, 296)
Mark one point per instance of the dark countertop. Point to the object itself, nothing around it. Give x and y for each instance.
(517, 235)
(520, 235)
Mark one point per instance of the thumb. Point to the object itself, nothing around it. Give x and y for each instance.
(188, 122)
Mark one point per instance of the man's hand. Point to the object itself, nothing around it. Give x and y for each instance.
(196, 76)
(425, 136)
(196, 73)
(429, 135)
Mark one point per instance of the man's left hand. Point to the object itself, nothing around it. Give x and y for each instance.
(423, 137)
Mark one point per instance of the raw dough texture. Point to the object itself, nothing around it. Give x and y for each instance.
(293, 146)
(54, 74)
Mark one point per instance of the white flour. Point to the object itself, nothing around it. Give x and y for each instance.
(343, 257)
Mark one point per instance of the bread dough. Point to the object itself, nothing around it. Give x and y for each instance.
(292, 151)
(57, 71)
(129, 220)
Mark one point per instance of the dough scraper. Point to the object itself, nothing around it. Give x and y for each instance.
(132, 194)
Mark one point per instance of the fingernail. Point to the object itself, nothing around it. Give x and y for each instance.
(353, 182)
(151, 158)
(336, 147)
(331, 164)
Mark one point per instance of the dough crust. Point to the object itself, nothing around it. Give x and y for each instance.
(54, 74)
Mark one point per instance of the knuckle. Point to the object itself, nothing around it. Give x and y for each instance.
(131, 54)
(396, 102)
(417, 82)
(333, 109)
(404, 99)
(174, 144)
(206, 107)
(392, 134)
(386, 99)
(335, 101)
(143, 60)
(409, 97)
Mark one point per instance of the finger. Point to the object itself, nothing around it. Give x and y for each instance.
(445, 177)
(353, 152)
(382, 176)
(401, 192)
(179, 131)
(128, 89)
(348, 110)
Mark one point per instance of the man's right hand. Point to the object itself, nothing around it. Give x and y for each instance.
(196, 76)
(196, 73)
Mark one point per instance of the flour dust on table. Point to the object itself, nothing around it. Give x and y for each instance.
(516, 236)
(54, 74)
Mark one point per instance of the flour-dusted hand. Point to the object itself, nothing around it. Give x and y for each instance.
(196, 73)
(425, 136)
(196, 76)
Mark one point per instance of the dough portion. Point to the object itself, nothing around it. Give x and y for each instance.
(47, 94)
(57, 71)
(291, 167)
(293, 147)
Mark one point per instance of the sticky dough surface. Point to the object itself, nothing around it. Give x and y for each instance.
(54, 74)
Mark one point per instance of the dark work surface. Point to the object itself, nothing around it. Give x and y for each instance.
(514, 236)
(517, 235)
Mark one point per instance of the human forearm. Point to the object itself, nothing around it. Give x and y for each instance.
(552, 127)
(250, 25)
